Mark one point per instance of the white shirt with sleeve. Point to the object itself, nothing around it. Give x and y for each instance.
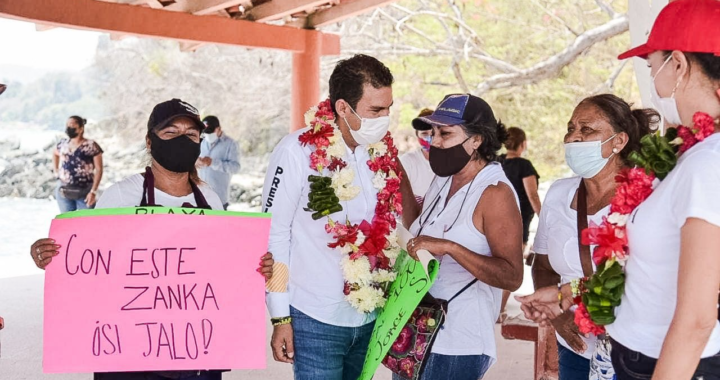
(316, 280)
(418, 171)
(129, 192)
(557, 237)
(691, 190)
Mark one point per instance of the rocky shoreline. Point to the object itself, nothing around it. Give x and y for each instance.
(28, 173)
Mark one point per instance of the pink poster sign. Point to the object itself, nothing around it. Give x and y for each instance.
(155, 292)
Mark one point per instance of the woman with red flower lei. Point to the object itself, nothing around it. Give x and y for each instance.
(602, 132)
(666, 325)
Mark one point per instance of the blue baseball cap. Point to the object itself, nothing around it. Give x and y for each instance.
(457, 109)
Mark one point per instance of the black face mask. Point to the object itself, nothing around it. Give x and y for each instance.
(177, 155)
(71, 132)
(448, 161)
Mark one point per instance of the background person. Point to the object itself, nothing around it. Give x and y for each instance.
(219, 158)
(525, 179)
(173, 140)
(415, 162)
(601, 134)
(470, 221)
(78, 165)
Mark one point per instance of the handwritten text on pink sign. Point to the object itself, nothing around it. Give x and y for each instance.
(155, 292)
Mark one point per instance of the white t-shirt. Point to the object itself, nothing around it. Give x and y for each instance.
(129, 192)
(469, 327)
(418, 171)
(557, 237)
(691, 190)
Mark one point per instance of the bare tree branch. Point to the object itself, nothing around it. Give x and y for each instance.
(606, 8)
(459, 76)
(553, 65)
(556, 18)
(610, 82)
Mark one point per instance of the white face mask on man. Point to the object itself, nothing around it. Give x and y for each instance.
(585, 158)
(211, 137)
(371, 130)
(667, 107)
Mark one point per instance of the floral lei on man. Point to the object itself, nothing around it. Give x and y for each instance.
(602, 292)
(369, 247)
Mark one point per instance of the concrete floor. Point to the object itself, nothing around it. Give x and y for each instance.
(21, 340)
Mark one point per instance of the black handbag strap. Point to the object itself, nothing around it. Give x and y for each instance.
(463, 290)
(582, 224)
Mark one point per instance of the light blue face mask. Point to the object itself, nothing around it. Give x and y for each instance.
(585, 158)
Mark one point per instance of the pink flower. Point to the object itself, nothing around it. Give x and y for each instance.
(403, 342)
(585, 323)
(420, 347)
(390, 362)
(407, 366)
(704, 125)
(318, 160)
(633, 187)
(610, 239)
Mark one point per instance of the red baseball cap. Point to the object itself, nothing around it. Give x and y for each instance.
(691, 26)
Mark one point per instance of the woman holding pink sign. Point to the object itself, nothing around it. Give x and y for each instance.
(171, 180)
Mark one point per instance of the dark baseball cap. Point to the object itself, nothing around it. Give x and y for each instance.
(2, 88)
(211, 124)
(456, 109)
(166, 112)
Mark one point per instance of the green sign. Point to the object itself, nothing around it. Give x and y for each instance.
(414, 279)
(157, 210)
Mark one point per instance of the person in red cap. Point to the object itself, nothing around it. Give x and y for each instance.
(666, 325)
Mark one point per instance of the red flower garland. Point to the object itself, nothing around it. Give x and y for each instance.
(634, 186)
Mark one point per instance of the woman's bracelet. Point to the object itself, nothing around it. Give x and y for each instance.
(281, 321)
(560, 298)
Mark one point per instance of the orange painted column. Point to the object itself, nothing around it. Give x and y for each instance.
(305, 80)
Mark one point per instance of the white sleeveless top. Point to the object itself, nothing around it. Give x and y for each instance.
(470, 324)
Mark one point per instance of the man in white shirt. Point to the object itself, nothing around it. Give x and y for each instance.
(315, 327)
(416, 162)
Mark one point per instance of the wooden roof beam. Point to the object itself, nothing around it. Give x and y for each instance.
(278, 9)
(157, 23)
(204, 7)
(343, 11)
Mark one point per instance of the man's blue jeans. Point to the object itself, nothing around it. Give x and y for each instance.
(328, 352)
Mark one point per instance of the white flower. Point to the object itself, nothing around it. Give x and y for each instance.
(342, 183)
(360, 239)
(618, 219)
(346, 249)
(310, 115)
(356, 271)
(366, 299)
(379, 180)
(392, 238)
(677, 141)
(393, 252)
(379, 148)
(382, 276)
(347, 193)
(337, 146)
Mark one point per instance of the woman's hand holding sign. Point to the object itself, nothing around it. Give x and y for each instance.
(42, 252)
